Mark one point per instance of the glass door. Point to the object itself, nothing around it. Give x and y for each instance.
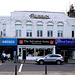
(24, 53)
(20, 54)
(64, 53)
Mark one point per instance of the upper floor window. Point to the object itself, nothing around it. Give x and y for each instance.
(39, 30)
(18, 27)
(29, 30)
(73, 30)
(60, 30)
(49, 30)
(4, 29)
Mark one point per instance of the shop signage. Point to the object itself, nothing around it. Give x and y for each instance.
(36, 42)
(8, 41)
(33, 16)
(65, 42)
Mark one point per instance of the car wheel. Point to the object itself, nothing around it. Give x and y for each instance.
(58, 62)
(41, 62)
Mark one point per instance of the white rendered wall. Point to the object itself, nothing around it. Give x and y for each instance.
(23, 17)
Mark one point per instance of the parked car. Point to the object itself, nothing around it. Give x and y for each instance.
(51, 58)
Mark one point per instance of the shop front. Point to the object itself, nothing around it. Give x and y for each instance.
(8, 46)
(66, 47)
(35, 47)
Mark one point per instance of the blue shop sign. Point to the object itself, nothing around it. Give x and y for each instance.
(65, 42)
(8, 41)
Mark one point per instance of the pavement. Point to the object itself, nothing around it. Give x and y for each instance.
(39, 73)
(70, 61)
(22, 61)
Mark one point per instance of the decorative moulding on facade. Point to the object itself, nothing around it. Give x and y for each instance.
(50, 23)
(60, 23)
(39, 23)
(18, 22)
(28, 22)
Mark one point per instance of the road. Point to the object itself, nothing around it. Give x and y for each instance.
(6, 67)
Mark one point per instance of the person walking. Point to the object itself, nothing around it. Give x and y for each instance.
(2, 58)
(8, 57)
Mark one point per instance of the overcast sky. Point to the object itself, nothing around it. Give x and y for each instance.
(8, 6)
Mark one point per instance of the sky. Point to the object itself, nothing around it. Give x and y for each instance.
(8, 6)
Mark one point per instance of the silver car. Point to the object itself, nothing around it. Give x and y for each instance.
(51, 58)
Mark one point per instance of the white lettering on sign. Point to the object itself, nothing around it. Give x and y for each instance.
(8, 41)
(65, 41)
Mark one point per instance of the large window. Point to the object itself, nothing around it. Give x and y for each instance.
(39, 30)
(28, 30)
(60, 31)
(4, 29)
(49, 30)
(18, 33)
(73, 30)
(18, 30)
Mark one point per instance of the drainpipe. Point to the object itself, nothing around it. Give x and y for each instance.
(54, 52)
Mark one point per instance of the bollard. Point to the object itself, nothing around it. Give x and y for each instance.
(24, 60)
(45, 69)
(15, 69)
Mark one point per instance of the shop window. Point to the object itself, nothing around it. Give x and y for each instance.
(30, 52)
(43, 51)
(39, 52)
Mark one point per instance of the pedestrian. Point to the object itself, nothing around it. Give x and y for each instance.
(8, 57)
(2, 58)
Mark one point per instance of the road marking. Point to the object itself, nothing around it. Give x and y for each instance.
(20, 68)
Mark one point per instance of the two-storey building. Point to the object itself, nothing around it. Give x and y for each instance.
(35, 33)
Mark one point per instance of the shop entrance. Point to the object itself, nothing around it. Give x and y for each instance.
(64, 53)
(24, 54)
(8, 50)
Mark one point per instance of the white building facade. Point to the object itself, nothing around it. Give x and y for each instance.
(33, 27)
